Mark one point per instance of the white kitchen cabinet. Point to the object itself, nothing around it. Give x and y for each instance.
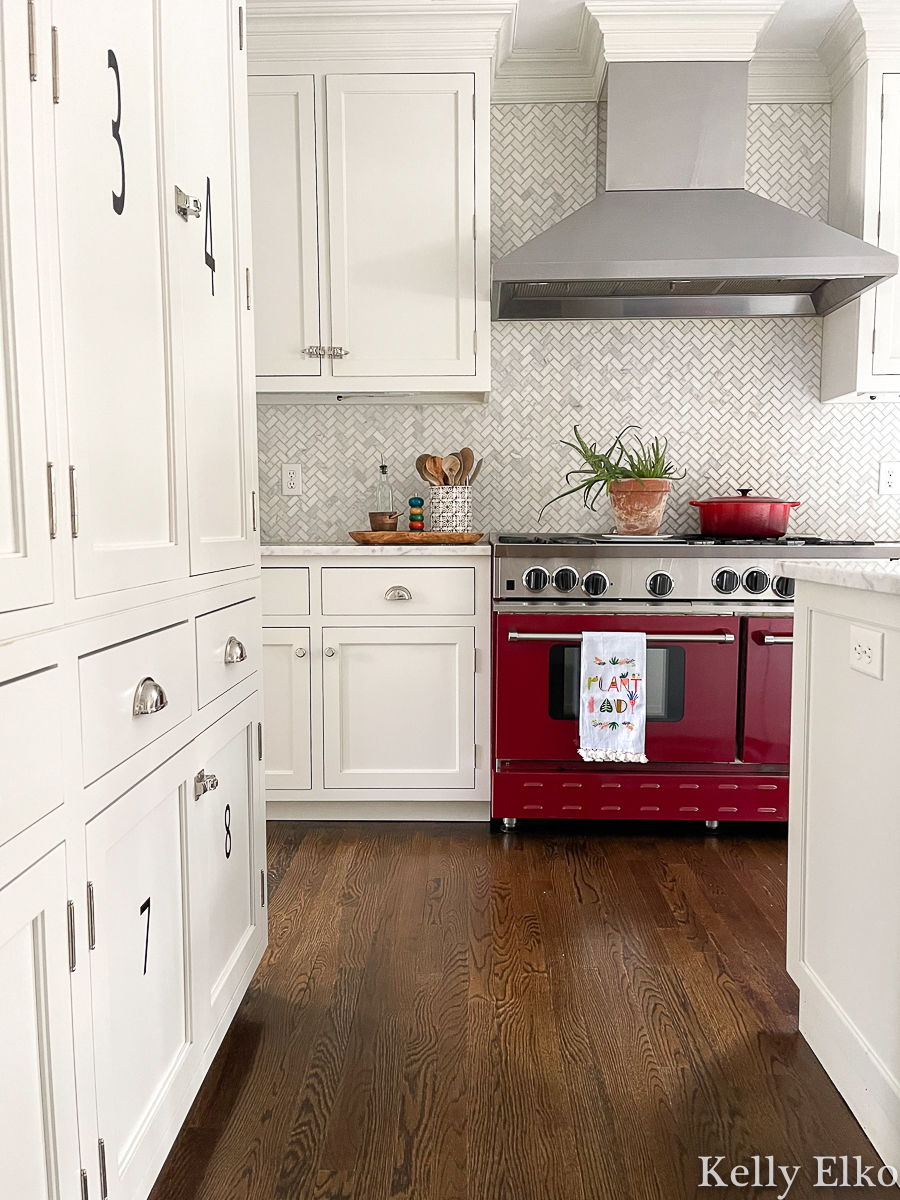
(141, 964)
(861, 341)
(211, 262)
(371, 228)
(285, 227)
(25, 563)
(399, 707)
(123, 369)
(227, 838)
(38, 1118)
(286, 665)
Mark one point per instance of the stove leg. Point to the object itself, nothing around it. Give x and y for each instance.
(509, 823)
(712, 824)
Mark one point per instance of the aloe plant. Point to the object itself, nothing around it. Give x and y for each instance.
(639, 460)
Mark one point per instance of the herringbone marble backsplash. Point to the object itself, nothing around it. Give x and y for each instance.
(737, 399)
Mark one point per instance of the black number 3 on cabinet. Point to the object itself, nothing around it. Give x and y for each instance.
(118, 202)
(208, 240)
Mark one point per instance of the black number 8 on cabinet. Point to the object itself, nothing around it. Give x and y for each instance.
(228, 831)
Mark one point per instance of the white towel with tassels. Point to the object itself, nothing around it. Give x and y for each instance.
(613, 716)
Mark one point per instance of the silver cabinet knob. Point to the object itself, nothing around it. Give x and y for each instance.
(235, 652)
(148, 698)
(301, 652)
(204, 783)
(329, 652)
(187, 206)
(398, 593)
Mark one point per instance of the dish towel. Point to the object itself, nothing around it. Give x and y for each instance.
(613, 714)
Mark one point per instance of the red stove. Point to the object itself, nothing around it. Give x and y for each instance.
(719, 620)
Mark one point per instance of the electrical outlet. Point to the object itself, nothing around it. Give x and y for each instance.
(889, 479)
(867, 651)
(290, 479)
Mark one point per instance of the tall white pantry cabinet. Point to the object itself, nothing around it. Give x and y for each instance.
(132, 837)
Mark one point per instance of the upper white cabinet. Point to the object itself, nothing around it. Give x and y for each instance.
(212, 257)
(371, 230)
(25, 565)
(861, 341)
(123, 383)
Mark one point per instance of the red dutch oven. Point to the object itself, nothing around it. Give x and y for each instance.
(744, 516)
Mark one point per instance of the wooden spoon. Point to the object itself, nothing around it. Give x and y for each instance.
(422, 467)
(436, 469)
(452, 469)
(467, 458)
(475, 472)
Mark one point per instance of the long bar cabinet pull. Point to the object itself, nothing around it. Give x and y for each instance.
(515, 636)
(778, 639)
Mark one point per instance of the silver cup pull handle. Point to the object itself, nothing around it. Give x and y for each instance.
(204, 783)
(235, 652)
(398, 593)
(149, 697)
(329, 652)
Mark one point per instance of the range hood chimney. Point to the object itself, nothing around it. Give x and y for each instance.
(675, 234)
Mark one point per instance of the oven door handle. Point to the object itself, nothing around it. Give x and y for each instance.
(515, 636)
(778, 639)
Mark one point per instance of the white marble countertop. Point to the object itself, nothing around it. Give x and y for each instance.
(322, 550)
(865, 574)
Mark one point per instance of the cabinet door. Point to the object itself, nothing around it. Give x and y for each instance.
(227, 838)
(123, 389)
(287, 716)
(886, 357)
(399, 708)
(25, 568)
(206, 160)
(768, 655)
(143, 1037)
(285, 225)
(401, 205)
(38, 1118)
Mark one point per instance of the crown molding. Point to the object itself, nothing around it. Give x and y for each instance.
(866, 31)
(281, 30)
(788, 77)
(680, 30)
(552, 76)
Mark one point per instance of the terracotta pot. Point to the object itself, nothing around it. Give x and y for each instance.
(638, 505)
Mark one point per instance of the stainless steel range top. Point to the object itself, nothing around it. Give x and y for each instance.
(570, 567)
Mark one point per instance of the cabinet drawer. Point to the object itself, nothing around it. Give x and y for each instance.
(222, 637)
(108, 681)
(30, 750)
(285, 591)
(365, 591)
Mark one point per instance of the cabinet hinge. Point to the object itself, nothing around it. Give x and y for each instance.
(101, 1154)
(70, 926)
(474, 227)
(473, 106)
(474, 341)
(92, 928)
(253, 507)
(240, 27)
(51, 498)
(54, 56)
(32, 43)
(475, 755)
(262, 888)
(874, 335)
(259, 740)
(248, 289)
(882, 106)
(73, 500)
(878, 230)
(84, 1185)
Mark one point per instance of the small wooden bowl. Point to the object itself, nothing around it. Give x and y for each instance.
(384, 522)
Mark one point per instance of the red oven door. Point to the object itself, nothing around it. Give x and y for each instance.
(767, 689)
(692, 686)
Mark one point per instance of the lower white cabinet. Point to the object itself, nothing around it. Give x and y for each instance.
(176, 919)
(38, 1118)
(399, 707)
(286, 663)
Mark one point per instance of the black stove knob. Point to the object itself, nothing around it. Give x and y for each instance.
(756, 581)
(660, 584)
(783, 587)
(595, 583)
(726, 581)
(536, 579)
(564, 579)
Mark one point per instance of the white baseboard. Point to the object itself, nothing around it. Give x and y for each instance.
(378, 810)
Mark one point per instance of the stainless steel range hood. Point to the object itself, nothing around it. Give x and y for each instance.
(675, 234)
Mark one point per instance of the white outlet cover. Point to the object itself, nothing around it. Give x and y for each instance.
(867, 651)
(889, 479)
(291, 479)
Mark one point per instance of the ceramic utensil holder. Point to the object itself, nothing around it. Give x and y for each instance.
(451, 509)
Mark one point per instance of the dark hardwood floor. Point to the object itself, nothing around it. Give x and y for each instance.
(565, 1013)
